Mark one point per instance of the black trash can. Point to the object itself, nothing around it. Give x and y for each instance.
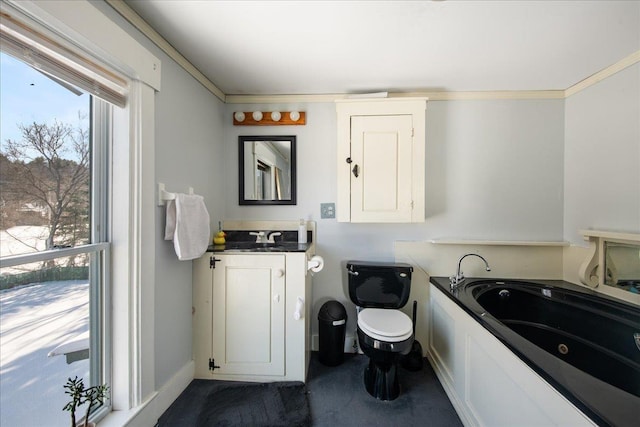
(332, 320)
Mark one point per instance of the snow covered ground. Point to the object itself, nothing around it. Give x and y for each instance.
(34, 319)
(23, 239)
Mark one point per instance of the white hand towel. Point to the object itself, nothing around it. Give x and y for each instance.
(170, 224)
(191, 237)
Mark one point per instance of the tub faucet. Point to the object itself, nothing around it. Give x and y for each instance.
(459, 277)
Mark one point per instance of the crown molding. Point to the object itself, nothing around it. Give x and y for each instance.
(432, 96)
(136, 20)
(486, 95)
(628, 61)
(274, 99)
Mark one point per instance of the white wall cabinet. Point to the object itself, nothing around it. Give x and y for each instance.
(244, 325)
(381, 160)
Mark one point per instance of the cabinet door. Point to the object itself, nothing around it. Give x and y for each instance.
(248, 314)
(385, 138)
(382, 168)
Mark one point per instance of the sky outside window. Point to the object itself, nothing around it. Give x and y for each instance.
(27, 95)
(45, 202)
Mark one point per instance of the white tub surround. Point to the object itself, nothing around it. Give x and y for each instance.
(486, 382)
(508, 259)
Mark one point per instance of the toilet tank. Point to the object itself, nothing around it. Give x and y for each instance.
(379, 284)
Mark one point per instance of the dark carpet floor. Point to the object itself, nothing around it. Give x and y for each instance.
(336, 397)
(279, 404)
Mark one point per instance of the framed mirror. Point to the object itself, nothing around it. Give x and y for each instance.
(267, 166)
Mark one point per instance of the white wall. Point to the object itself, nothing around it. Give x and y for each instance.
(494, 170)
(188, 133)
(602, 156)
(188, 129)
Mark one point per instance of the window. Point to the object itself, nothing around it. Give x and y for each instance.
(76, 43)
(54, 246)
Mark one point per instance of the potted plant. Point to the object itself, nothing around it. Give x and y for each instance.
(80, 395)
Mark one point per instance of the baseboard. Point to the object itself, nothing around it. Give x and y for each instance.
(147, 413)
(350, 345)
(167, 394)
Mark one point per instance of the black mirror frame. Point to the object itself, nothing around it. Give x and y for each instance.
(241, 140)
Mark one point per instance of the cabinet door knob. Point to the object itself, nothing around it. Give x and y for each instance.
(276, 298)
(279, 272)
(355, 171)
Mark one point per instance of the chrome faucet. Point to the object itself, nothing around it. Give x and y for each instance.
(260, 236)
(265, 236)
(272, 235)
(459, 277)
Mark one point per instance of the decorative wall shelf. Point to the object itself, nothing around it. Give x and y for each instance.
(268, 118)
(599, 268)
(610, 235)
(497, 242)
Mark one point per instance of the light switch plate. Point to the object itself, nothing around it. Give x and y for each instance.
(327, 210)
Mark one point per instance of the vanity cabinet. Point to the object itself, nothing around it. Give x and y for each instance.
(244, 323)
(381, 160)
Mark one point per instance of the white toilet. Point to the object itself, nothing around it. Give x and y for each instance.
(384, 332)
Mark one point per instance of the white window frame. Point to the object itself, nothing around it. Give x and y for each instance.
(99, 348)
(132, 200)
(98, 250)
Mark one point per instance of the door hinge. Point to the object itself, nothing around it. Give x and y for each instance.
(212, 365)
(412, 130)
(212, 262)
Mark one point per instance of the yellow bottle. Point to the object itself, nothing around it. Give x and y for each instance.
(218, 238)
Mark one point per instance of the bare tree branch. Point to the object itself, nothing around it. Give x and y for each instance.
(48, 168)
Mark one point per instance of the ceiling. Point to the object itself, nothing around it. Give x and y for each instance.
(331, 47)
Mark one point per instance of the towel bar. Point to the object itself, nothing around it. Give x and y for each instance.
(164, 195)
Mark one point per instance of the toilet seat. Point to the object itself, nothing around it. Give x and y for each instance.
(385, 324)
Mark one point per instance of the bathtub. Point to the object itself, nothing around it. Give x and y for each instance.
(584, 344)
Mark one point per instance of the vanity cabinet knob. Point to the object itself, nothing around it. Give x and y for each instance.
(279, 272)
(276, 298)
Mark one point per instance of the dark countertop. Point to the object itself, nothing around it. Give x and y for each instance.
(602, 402)
(252, 247)
(240, 241)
